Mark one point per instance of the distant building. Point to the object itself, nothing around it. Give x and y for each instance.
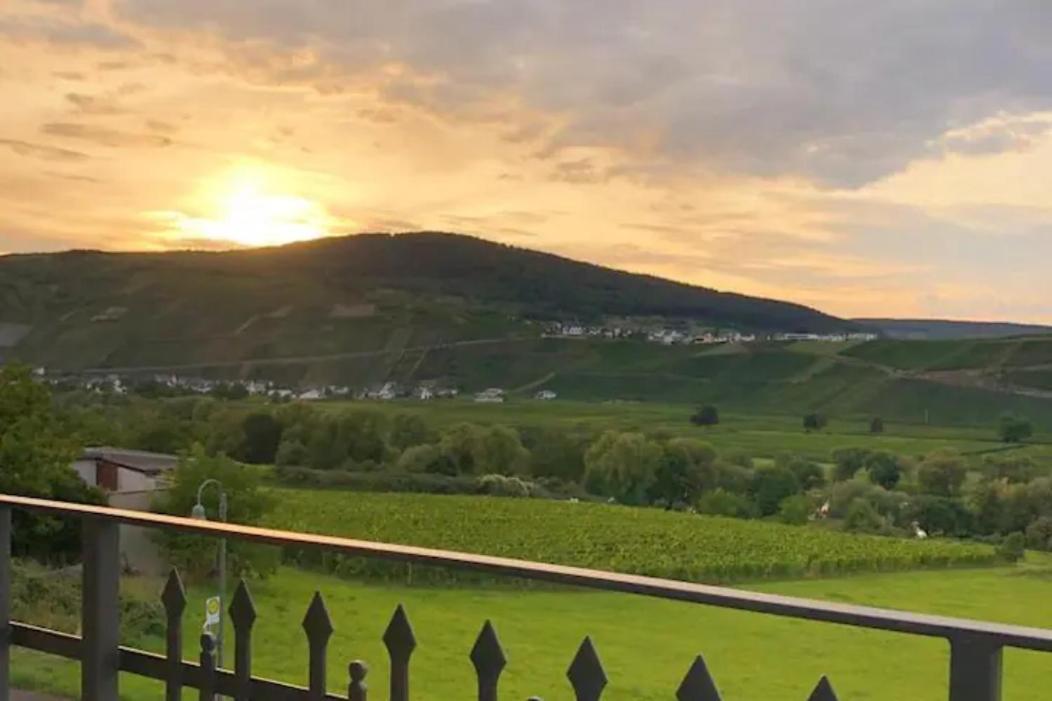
(493, 395)
(423, 393)
(545, 395)
(311, 395)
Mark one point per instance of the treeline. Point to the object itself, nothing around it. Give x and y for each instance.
(1000, 498)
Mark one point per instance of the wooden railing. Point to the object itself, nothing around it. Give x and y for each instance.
(975, 647)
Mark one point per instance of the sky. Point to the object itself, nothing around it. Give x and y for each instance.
(868, 158)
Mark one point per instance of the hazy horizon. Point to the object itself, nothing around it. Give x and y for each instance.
(869, 160)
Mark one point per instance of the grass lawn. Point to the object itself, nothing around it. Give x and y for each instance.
(646, 645)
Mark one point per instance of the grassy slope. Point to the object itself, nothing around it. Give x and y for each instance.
(646, 645)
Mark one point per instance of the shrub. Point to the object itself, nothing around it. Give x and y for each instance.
(1012, 548)
(720, 502)
(863, 517)
(503, 486)
(815, 421)
(796, 510)
(1039, 534)
(876, 426)
(808, 473)
(707, 415)
(1014, 429)
(1012, 468)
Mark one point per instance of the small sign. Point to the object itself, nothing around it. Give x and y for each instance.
(212, 605)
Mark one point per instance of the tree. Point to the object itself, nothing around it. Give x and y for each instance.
(770, 486)
(622, 466)
(941, 515)
(884, 469)
(686, 469)
(408, 430)
(941, 474)
(848, 461)
(36, 459)
(555, 453)
(815, 421)
(485, 450)
(247, 504)
(261, 438)
(707, 415)
(1012, 469)
(1014, 429)
(876, 425)
(808, 473)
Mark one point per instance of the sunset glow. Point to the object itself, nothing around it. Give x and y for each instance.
(244, 211)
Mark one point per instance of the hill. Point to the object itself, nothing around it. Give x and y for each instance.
(936, 329)
(357, 294)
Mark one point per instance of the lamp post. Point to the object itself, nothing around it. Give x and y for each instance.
(198, 512)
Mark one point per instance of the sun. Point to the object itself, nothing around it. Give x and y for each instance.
(247, 207)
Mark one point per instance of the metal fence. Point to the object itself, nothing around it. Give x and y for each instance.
(975, 647)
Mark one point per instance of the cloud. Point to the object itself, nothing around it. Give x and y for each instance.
(839, 92)
(43, 151)
(92, 104)
(104, 136)
(65, 31)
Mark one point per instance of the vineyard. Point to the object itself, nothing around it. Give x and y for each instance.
(630, 540)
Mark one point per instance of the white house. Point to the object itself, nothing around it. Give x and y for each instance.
(545, 395)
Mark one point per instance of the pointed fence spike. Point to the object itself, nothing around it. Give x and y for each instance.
(400, 642)
(208, 668)
(318, 627)
(174, 599)
(586, 673)
(488, 657)
(243, 617)
(823, 692)
(698, 684)
(358, 688)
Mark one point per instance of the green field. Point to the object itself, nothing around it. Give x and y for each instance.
(608, 537)
(758, 435)
(646, 645)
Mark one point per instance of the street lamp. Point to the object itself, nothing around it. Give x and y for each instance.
(198, 512)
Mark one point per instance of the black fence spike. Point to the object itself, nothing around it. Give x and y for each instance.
(318, 627)
(243, 617)
(400, 642)
(698, 685)
(488, 657)
(586, 673)
(823, 692)
(174, 599)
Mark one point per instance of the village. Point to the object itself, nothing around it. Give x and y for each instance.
(675, 336)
